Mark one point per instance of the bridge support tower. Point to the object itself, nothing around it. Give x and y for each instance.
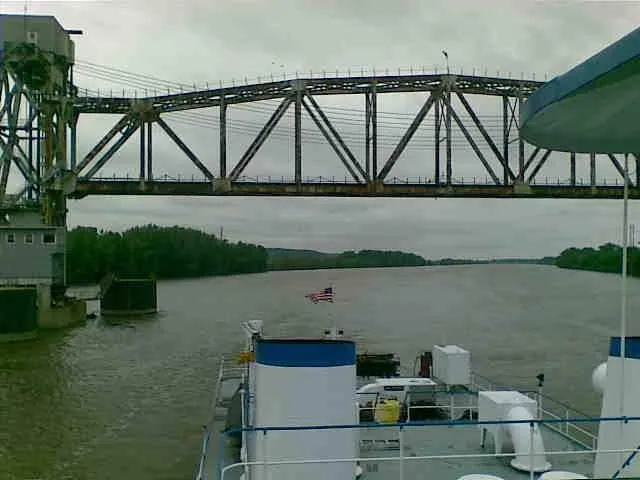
(37, 144)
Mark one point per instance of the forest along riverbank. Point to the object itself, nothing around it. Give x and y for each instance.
(175, 252)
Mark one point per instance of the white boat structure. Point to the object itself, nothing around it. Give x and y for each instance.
(297, 408)
(313, 409)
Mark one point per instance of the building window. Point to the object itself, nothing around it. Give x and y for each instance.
(48, 238)
(28, 237)
(11, 238)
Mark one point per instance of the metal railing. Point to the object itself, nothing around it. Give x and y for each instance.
(553, 414)
(174, 88)
(333, 179)
(402, 457)
(225, 371)
(550, 409)
(443, 400)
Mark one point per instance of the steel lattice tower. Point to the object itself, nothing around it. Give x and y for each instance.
(37, 120)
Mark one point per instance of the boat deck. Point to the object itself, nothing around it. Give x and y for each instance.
(435, 449)
(461, 454)
(458, 448)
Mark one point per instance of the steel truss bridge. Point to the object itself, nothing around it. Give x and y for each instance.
(368, 176)
(38, 135)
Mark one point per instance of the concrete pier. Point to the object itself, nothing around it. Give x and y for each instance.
(18, 313)
(130, 297)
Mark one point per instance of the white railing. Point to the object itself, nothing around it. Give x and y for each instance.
(554, 415)
(224, 372)
(572, 431)
(548, 409)
(402, 457)
(412, 458)
(443, 401)
(206, 437)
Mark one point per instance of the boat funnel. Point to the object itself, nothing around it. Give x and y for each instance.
(304, 383)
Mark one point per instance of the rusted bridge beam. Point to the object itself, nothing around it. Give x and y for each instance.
(407, 190)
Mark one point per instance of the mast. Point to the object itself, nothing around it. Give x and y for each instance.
(623, 282)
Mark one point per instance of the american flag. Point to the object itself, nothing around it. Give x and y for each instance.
(325, 295)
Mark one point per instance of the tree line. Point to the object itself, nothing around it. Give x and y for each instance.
(290, 260)
(177, 252)
(158, 252)
(606, 258)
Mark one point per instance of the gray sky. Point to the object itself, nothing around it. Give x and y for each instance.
(205, 42)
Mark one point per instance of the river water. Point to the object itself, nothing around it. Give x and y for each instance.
(127, 401)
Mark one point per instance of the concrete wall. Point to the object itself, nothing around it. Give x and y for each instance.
(71, 312)
(33, 254)
(63, 314)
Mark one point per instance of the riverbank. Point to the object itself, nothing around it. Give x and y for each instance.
(174, 252)
(285, 259)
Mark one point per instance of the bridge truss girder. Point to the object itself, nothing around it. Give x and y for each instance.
(36, 114)
(446, 96)
(273, 187)
(14, 132)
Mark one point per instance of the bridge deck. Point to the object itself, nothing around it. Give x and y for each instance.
(407, 190)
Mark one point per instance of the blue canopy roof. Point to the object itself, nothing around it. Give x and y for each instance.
(594, 107)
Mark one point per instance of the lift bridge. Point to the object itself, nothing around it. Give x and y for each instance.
(42, 107)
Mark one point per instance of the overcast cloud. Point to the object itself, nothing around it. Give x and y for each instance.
(205, 42)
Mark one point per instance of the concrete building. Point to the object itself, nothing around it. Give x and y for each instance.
(33, 255)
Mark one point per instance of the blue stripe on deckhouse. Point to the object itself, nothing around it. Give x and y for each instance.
(305, 353)
(631, 347)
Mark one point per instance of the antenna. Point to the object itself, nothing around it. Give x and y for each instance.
(24, 18)
(446, 58)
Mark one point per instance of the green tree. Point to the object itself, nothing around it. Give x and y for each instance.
(606, 258)
(160, 252)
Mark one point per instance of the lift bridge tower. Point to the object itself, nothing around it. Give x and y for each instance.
(37, 121)
(37, 146)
